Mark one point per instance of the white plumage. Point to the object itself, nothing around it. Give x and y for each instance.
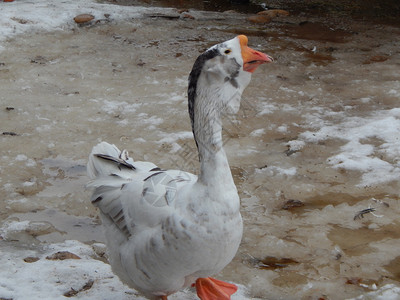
(167, 229)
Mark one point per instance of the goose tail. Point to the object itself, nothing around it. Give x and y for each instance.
(107, 160)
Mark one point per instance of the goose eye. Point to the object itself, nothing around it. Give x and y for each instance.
(227, 51)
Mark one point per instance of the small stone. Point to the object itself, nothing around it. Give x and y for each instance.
(291, 203)
(266, 16)
(72, 292)
(10, 133)
(83, 18)
(31, 259)
(188, 16)
(231, 11)
(260, 19)
(62, 255)
(273, 13)
(376, 58)
(99, 249)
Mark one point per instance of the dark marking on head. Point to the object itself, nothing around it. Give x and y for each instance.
(144, 192)
(234, 83)
(234, 72)
(194, 77)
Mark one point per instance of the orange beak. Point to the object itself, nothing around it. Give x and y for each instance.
(252, 58)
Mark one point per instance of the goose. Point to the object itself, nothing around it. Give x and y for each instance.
(169, 229)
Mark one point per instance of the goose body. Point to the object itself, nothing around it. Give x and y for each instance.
(168, 229)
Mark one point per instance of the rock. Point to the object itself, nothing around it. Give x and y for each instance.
(31, 259)
(182, 10)
(230, 11)
(83, 18)
(188, 16)
(273, 13)
(100, 249)
(266, 16)
(11, 133)
(61, 255)
(72, 292)
(271, 263)
(291, 203)
(259, 19)
(39, 60)
(376, 58)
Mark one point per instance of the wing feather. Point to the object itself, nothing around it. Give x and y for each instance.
(132, 195)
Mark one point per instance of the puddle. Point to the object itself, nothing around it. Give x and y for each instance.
(66, 227)
(272, 263)
(355, 242)
(317, 32)
(216, 5)
(394, 268)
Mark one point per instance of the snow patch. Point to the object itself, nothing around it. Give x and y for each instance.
(372, 145)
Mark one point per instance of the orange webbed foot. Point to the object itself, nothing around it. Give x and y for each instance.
(213, 289)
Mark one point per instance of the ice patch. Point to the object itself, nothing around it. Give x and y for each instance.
(13, 226)
(282, 128)
(393, 92)
(257, 132)
(17, 17)
(296, 145)
(267, 109)
(372, 145)
(113, 107)
(21, 157)
(387, 292)
(273, 170)
(173, 137)
(54, 278)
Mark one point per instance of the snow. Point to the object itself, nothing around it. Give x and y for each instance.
(274, 170)
(173, 137)
(372, 145)
(20, 17)
(387, 292)
(51, 279)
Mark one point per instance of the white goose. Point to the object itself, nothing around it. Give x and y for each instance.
(167, 230)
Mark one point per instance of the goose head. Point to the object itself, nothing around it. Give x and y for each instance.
(219, 77)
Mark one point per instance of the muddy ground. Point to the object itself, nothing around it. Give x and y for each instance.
(125, 82)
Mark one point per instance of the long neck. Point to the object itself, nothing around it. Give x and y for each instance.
(207, 129)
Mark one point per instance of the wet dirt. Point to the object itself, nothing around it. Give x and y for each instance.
(125, 82)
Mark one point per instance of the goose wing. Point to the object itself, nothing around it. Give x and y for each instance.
(133, 196)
